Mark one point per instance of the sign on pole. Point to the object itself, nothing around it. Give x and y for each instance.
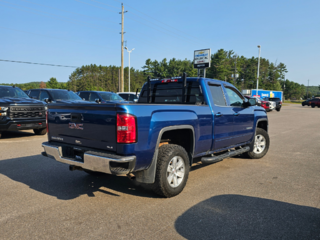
(202, 58)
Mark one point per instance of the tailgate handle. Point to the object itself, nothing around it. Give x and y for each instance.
(76, 117)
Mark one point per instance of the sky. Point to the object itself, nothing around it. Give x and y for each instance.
(83, 32)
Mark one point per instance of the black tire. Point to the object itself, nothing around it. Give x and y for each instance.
(278, 109)
(161, 185)
(313, 105)
(0, 134)
(251, 154)
(302, 104)
(41, 131)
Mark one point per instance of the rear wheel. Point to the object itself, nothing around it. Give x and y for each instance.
(41, 131)
(278, 109)
(172, 170)
(260, 145)
(313, 105)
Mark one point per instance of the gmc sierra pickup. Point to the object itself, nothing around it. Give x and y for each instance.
(19, 112)
(176, 122)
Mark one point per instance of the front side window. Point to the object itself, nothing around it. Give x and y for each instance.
(110, 96)
(217, 95)
(44, 95)
(93, 97)
(64, 95)
(34, 94)
(234, 98)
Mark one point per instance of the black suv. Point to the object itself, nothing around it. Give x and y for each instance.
(53, 95)
(19, 112)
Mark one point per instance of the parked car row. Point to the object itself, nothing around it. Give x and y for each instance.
(315, 102)
(269, 104)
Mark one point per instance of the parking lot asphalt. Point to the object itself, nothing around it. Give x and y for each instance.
(277, 197)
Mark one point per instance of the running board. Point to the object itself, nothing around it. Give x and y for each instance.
(225, 155)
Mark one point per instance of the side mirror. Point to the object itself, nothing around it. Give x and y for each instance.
(97, 100)
(83, 99)
(254, 102)
(47, 100)
(135, 100)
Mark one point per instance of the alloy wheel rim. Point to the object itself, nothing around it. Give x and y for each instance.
(175, 171)
(259, 144)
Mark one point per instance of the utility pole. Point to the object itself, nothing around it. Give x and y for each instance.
(235, 70)
(122, 26)
(129, 63)
(258, 70)
(308, 90)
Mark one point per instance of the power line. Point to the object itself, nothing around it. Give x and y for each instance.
(53, 65)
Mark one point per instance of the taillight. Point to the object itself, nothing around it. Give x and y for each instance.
(126, 128)
(47, 122)
(169, 80)
(280, 102)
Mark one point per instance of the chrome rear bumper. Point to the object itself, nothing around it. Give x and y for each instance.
(92, 160)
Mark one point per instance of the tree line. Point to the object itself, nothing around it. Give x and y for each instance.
(225, 66)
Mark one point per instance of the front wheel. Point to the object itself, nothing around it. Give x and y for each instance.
(41, 131)
(260, 145)
(313, 105)
(172, 170)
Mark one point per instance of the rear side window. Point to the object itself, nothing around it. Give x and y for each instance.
(124, 96)
(217, 95)
(34, 94)
(171, 93)
(84, 95)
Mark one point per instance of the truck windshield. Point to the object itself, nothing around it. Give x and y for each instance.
(171, 93)
(110, 96)
(64, 95)
(10, 92)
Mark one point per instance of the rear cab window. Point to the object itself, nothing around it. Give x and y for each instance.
(171, 93)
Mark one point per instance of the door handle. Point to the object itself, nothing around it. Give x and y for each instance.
(218, 114)
(236, 114)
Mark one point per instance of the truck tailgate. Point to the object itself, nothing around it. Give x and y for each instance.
(92, 126)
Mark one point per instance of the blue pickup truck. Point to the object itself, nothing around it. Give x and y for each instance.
(176, 122)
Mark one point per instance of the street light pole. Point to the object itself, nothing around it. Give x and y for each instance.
(129, 63)
(258, 70)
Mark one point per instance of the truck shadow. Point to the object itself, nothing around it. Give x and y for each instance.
(243, 217)
(53, 178)
(16, 134)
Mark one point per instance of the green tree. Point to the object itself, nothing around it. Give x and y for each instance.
(53, 83)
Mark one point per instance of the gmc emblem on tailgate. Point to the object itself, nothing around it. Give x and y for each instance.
(78, 126)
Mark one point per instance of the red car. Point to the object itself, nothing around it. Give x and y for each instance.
(264, 104)
(315, 103)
